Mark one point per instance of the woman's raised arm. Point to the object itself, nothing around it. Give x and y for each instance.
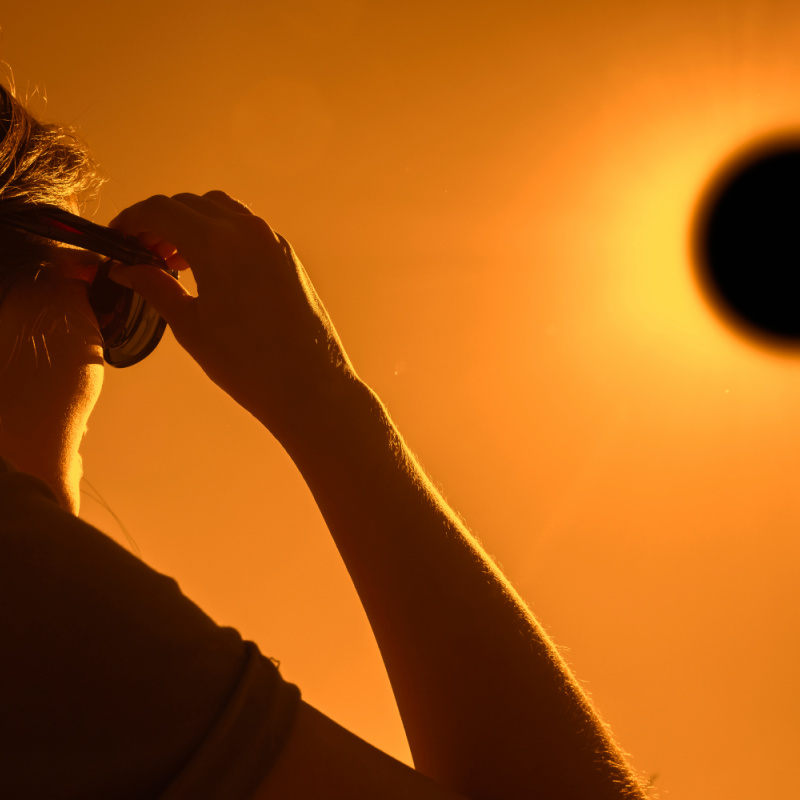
(490, 708)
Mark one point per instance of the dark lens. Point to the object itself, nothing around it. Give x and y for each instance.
(130, 327)
(110, 303)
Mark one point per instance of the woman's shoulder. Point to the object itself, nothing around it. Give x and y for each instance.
(114, 678)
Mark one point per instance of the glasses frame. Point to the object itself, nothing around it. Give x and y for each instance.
(56, 224)
(52, 222)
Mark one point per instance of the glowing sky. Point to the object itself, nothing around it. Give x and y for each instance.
(495, 202)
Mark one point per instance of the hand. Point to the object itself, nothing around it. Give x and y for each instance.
(257, 327)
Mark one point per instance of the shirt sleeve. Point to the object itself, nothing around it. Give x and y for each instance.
(112, 683)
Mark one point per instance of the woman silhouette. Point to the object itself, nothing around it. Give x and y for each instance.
(114, 685)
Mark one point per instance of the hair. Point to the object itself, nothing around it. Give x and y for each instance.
(39, 163)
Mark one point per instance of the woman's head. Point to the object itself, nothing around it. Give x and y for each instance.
(42, 163)
(51, 362)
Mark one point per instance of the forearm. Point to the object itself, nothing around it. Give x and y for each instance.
(489, 707)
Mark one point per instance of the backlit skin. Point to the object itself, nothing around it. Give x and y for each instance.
(52, 373)
(489, 707)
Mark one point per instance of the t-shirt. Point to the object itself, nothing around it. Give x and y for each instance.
(113, 684)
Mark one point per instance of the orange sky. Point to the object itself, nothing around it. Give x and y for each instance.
(497, 212)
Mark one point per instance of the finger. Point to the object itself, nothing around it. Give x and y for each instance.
(161, 218)
(177, 262)
(227, 201)
(225, 208)
(201, 203)
(217, 205)
(158, 288)
(158, 245)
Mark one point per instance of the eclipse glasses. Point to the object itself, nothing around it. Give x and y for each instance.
(131, 328)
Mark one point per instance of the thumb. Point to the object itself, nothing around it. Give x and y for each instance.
(157, 287)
